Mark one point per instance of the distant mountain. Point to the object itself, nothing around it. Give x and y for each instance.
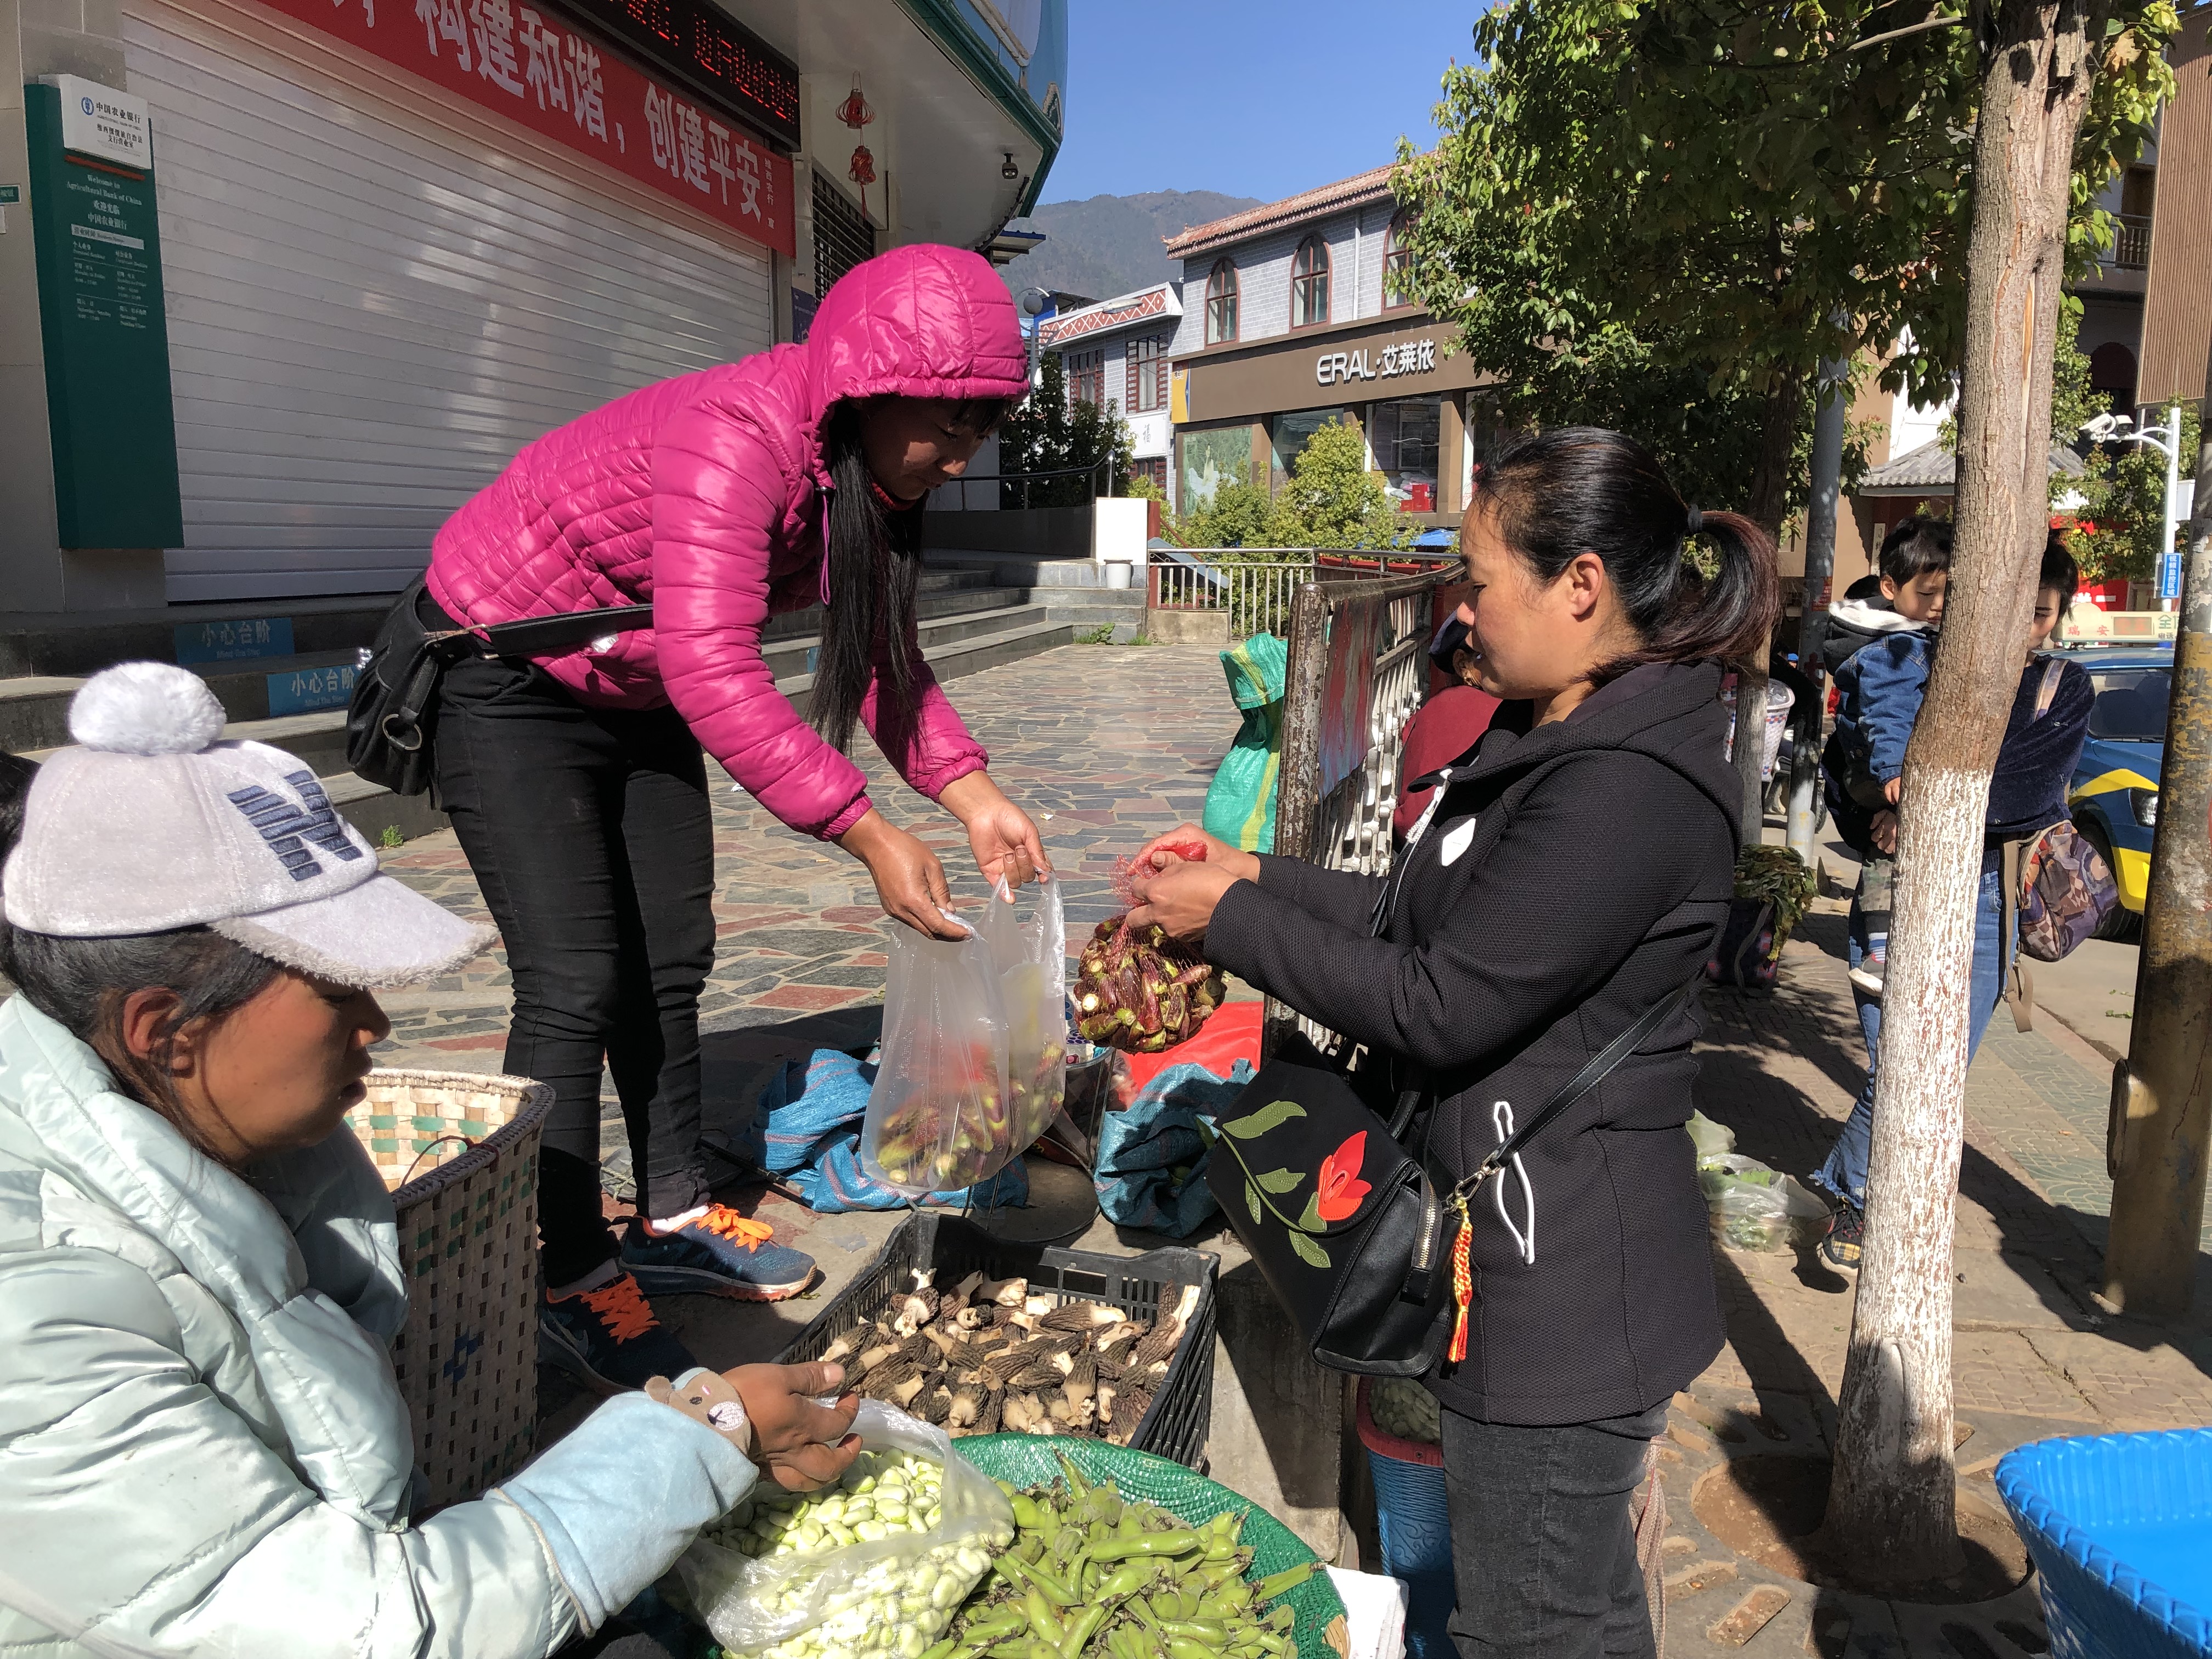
(1109, 244)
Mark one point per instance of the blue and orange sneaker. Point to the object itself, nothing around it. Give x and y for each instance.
(717, 1252)
(608, 1339)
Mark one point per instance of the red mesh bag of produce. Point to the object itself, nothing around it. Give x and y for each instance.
(1136, 988)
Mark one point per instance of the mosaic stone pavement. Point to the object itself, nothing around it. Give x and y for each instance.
(1115, 742)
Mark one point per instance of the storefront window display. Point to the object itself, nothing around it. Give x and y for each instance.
(1289, 433)
(1210, 460)
(1406, 436)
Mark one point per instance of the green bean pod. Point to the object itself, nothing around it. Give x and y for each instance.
(1024, 1576)
(1151, 1543)
(1043, 1622)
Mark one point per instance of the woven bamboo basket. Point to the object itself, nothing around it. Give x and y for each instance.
(459, 1151)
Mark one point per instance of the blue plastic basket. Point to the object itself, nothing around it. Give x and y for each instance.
(1415, 1525)
(2119, 1526)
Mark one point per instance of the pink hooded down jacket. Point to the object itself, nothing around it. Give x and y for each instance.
(707, 495)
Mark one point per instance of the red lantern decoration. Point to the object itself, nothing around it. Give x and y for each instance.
(862, 171)
(854, 112)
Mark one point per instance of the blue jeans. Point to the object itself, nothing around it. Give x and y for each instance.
(1844, 1174)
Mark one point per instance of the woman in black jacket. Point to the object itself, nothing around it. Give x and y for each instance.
(1574, 870)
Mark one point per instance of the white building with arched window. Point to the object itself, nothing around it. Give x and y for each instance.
(1290, 320)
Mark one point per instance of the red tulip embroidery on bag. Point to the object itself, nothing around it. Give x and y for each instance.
(1341, 1188)
(1338, 1192)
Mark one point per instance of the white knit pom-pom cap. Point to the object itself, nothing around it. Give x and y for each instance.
(145, 708)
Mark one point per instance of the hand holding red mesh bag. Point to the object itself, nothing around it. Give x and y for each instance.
(1138, 989)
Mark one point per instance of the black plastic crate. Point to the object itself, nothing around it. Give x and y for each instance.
(1182, 1412)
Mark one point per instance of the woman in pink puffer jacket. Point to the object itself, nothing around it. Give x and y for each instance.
(576, 782)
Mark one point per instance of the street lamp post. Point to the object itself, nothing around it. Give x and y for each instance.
(1033, 303)
(2110, 429)
(2160, 1128)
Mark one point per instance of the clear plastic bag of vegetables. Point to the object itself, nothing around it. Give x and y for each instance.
(878, 1563)
(975, 1057)
(1136, 988)
(1030, 955)
(1755, 1208)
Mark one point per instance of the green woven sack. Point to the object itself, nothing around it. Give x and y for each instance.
(1240, 803)
(1022, 1461)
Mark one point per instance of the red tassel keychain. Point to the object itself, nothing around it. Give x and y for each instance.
(1463, 1281)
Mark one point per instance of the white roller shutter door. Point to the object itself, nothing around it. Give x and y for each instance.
(375, 299)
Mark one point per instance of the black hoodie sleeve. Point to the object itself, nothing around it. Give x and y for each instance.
(1344, 898)
(2027, 788)
(1584, 869)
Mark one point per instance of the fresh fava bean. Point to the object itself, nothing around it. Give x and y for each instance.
(1093, 1574)
(896, 1606)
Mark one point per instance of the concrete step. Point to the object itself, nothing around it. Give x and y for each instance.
(80, 642)
(940, 593)
(952, 646)
(1025, 569)
(34, 710)
(970, 654)
(1127, 622)
(790, 657)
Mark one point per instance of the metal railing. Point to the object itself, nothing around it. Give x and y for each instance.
(2131, 242)
(1017, 489)
(1255, 593)
(1358, 664)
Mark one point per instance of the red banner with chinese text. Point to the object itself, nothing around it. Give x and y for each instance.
(512, 59)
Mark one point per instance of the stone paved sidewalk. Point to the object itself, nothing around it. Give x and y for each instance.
(1113, 742)
(2035, 1354)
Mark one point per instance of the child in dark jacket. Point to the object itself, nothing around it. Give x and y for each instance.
(1881, 685)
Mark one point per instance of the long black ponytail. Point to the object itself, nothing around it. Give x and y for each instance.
(875, 563)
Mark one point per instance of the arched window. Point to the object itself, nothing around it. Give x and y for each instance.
(1309, 284)
(1397, 263)
(1221, 303)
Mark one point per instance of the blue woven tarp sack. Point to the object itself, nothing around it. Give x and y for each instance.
(2119, 1526)
(1150, 1167)
(806, 1132)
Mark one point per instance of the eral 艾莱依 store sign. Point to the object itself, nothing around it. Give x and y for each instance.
(1406, 357)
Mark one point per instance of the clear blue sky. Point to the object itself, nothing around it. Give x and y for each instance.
(1261, 97)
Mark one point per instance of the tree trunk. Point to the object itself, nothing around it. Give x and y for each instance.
(1777, 453)
(1891, 1513)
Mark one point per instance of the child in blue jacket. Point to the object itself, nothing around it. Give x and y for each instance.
(1881, 685)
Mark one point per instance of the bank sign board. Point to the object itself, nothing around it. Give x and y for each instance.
(98, 246)
(523, 62)
(105, 124)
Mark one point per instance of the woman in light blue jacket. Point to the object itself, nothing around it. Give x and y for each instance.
(202, 1450)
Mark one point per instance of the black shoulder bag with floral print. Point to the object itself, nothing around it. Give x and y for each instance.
(1348, 1226)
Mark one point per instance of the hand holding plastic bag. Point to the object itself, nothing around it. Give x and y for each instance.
(964, 1022)
(875, 1564)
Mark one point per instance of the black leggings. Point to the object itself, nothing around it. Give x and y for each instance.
(590, 834)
